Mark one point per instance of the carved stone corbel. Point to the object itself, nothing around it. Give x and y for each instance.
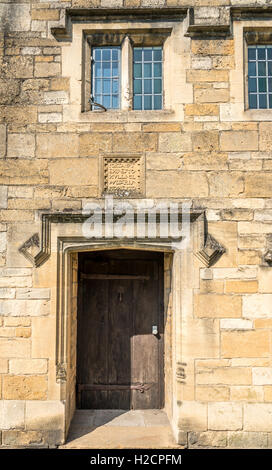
(268, 257)
(210, 251)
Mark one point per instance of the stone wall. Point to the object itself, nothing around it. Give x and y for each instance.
(213, 153)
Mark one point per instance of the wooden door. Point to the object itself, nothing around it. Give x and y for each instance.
(119, 358)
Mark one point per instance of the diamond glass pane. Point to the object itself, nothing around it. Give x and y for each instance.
(147, 78)
(106, 77)
(259, 76)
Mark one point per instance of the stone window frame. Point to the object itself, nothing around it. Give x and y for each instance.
(246, 32)
(126, 39)
(176, 94)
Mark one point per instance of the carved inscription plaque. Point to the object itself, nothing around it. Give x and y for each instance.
(123, 176)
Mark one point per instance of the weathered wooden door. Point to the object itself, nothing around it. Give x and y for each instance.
(120, 330)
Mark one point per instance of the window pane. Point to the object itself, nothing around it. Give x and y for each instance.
(253, 101)
(137, 55)
(137, 102)
(147, 86)
(269, 53)
(106, 54)
(137, 86)
(147, 55)
(115, 101)
(157, 70)
(157, 54)
(106, 86)
(262, 69)
(137, 70)
(270, 101)
(261, 53)
(252, 69)
(147, 102)
(105, 76)
(262, 85)
(251, 53)
(157, 102)
(147, 83)
(97, 54)
(270, 84)
(157, 85)
(115, 86)
(252, 85)
(147, 70)
(262, 101)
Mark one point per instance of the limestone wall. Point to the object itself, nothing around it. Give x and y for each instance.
(209, 150)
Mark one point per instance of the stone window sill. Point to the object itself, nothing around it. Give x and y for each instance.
(128, 116)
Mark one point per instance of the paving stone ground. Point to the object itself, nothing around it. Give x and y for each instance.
(120, 429)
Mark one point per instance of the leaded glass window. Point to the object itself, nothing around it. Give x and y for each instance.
(106, 76)
(260, 76)
(147, 78)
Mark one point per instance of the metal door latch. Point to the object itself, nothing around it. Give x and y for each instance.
(155, 330)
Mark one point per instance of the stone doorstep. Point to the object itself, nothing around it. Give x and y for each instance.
(96, 418)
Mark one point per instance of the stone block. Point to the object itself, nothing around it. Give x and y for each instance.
(12, 414)
(246, 394)
(19, 308)
(268, 393)
(224, 376)
(21, 145)
(204, 161)
(205, 141)
(15, 17)
(3, 245)
(57, 146)
(258, 185)
(207, 439)
(257, 306)
(45, 14)
(198, 76)
(28, 366)
(245, 344)
(213, 47)
(247, 440)
(6, 293)
(176, 184)
(23, 332)
(212, 393)
(2, 140)
(24, 172)
(15, 439)
(236, 324)
(46, 69)
(134, 142)
(226, 184)
(266, 136)
(217, 306)
(55, 97)
(175, 142)
(34, 293)
(20, 387)
(225, 416)
(17, 348)
(265, 280)
(201, 110)
(17, 67)
(65, 172)
(262, 375)
(239, 141)
(193, 416)
(242, 287)
(45, 415)
(258, 417)
(95, 143)
(211, 95)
